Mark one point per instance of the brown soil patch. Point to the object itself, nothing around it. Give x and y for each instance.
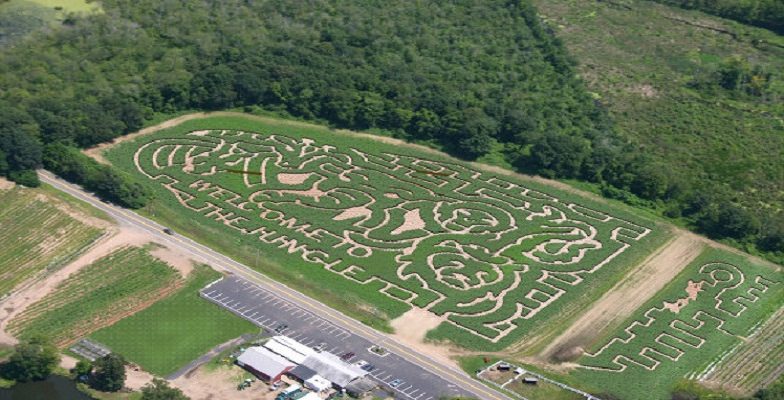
(625, 297)
(410, 329)
(5, 184)
(136, 378)
(221, 384)
(175, 258)
(411, 222)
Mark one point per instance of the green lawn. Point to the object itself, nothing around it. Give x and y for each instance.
(121, 282)
(176, 330)
(471, 197)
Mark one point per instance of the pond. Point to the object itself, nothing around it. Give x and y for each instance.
(55, 387)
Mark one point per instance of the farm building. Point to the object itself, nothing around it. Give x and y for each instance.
(263, 363)
(359, 387)
(289, 349)
(333, 368)
(317, 383)
(301, 373)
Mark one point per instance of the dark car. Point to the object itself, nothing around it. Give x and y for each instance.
(168, 231)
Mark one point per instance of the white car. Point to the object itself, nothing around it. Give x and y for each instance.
(360, 363)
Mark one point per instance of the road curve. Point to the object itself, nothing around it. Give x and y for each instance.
(223, 263)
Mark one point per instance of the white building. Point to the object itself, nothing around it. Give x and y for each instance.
(333, 368)
(263, 363)
(290, 349)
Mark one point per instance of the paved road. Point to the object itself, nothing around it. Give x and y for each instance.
(218, 261)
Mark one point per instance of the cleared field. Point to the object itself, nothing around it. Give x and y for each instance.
(176, 330)
(713, 305)
(117, 285)
(36, 236)
(496, 255)
(754, 363)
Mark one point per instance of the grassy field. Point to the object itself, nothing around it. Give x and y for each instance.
(36, 236)
(19, 18)
(641, 60)
(686, 329)
(119, 284)
(400, 226)
(176, 330)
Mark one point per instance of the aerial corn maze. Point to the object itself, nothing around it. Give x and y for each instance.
(696, 328)
(490, 254)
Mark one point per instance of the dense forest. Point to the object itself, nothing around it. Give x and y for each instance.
(473, 78)
(767, 14)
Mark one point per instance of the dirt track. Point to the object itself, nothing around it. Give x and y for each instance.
(626, 296)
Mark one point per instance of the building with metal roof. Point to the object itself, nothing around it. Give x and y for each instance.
(333, 368)
(263, 363)
(301, 373)
(289, 348)
(359, 387)
(317, 383)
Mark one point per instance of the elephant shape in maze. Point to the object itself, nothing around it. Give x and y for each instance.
(479, 250)
(666, 333)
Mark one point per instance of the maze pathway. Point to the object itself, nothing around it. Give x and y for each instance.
(720, 294)
(482, 251)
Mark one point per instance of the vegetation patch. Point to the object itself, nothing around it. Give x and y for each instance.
(174, 331)
(36, 236)
(719, 300)
(496, 255)
(117, 285)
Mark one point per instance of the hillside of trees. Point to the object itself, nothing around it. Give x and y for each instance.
(474, 78)
(767, 14)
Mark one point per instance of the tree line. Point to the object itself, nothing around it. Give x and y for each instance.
(474, 79)
(36, 358)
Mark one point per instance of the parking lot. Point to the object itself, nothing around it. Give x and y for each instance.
(277, 315)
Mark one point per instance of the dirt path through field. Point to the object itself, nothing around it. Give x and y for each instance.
(116, 238)
(625, 297)
(410, 329)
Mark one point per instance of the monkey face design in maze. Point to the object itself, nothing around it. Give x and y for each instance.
(481, 251)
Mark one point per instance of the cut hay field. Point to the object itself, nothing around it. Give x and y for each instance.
(119, 284)
(375, 228)
(687, 330)
(175, 331)
(36, 236)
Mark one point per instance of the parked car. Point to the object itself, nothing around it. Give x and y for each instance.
(368, 367)
(320, 346)
(281, 328)
(361, 363)
(395, 383)
(276, 385)
(347, 356)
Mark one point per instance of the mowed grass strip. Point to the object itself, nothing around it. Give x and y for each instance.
(36, 236)
(119, 284)
(176, 330)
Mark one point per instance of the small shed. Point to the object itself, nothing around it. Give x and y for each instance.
(530, 380)
(318, 383)
(266, 365)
